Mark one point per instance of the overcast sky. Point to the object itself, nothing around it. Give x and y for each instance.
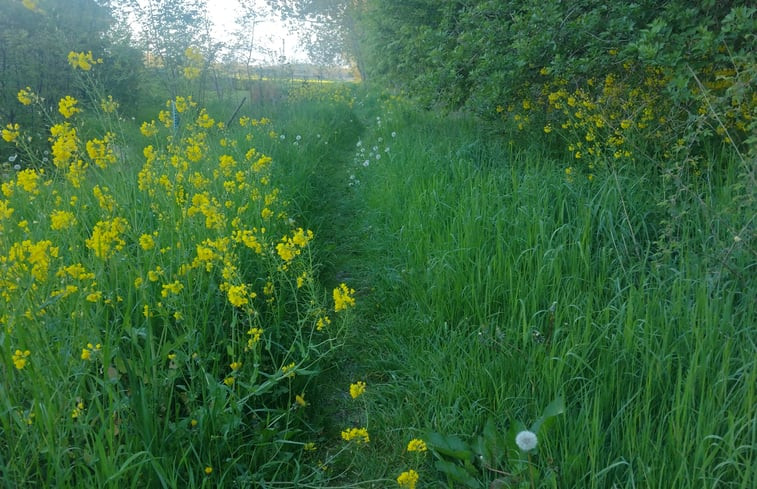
(269, 31)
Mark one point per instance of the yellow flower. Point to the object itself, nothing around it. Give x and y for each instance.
(108, 105)
(408, 479)
(83, 61)
(357, 389)
(300, 399)
(61, 220)
(28, 180)
(173, 288)
(11, 132)
(309, 447)
(235, 366)
(358, 435)
(94, 296)
(20, 358)
(106, 237)
(343, 298)
(417, 445)
(229, 381)
(86, 353)
(146, 242)
(237, 295)
(208, 470)
(67, 106)
(25, 96)
(148, 129)
(322, 323)
(288, 370)
(77, 410)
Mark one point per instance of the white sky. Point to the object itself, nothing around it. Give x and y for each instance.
(269, 31)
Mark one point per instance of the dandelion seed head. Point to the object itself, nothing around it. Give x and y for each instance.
(526, 440)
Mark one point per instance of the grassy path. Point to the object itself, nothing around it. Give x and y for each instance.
(489, 284)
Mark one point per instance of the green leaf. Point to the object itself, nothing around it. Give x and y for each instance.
(449, 445)
(490, 444)
(553, 409)
(458, 474)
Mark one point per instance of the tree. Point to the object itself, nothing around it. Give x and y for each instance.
(331, 29)
(175, 36)
(35, 39)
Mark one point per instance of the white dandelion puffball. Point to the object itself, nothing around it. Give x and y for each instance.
(526, 440)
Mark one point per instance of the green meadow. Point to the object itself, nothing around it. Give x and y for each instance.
(348, 285)
(169, 317)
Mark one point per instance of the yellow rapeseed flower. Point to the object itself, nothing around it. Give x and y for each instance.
(343, 298)
(20, 358)
(67, 106)
(358, 435)
(408, 479)
(106, 237)
(147, 242)
(357, 389)
(25, 96)
(416, 445)
(61, 220)
(288, 370)
(237, 295)
(300, 400)
(11, 133)
(109, 105)
(83, 61)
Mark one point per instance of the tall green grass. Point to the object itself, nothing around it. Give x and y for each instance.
(488, 284)
(492, 284)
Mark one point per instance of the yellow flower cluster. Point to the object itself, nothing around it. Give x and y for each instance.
(28, 181)
(83, 61)
(254, 338)
(106, 237)
(357, 389)
(100, 151)
(194, 65)
(26, 96)
(20, 358)
(27, 257)
(65, 145)
(291, 246)
(60, 219)
(343, 298)
(86, 353)
(358, 435)
(239, 295)
(11, 132)
(67, 106)
(408, 479)
(416, 445)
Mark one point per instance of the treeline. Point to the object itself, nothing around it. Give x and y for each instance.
(617, 80)
(35, 39)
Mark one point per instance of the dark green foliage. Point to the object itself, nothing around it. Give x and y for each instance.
(482, 54)
(34, 46)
